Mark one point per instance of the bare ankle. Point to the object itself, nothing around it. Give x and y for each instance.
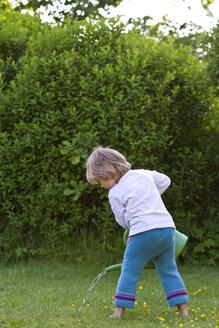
(182, 308)
(119, 311)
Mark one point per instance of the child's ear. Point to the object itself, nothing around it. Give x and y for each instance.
(117, 177)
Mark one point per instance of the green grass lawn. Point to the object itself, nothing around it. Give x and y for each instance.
(50, 295)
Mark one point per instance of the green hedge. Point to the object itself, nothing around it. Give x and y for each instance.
(86, 84)
(213, 55)
(15, 31)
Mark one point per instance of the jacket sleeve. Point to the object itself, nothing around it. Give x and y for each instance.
(161, 180)
(118, 210)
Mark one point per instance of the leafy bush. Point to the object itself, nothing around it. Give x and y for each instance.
(15, 31)
(86, 84)
(213, 56)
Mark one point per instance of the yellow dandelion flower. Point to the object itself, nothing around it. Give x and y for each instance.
(113, 297)
(203, 315)
(136, 303)
(177, 312)
(191, 321)
(105, 306)
(166, 312)
(203, 305)
(88, 304)
(212, 312)
(145, 305)
(72, 305)
(198, 308)
(148, 310)
(180, 325)
(196, 319)
(152, 293)
(162, 319)
(205, 287)
(112, 302)
(140, 287)
(139, 324)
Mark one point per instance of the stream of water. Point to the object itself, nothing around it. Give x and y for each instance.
(92, 286)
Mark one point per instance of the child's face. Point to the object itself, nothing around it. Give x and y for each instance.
(107, 183)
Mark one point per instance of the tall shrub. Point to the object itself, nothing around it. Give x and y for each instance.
(15, 31)
(87, 84)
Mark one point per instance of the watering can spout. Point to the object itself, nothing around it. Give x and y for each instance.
(180, 242)
(113, 267)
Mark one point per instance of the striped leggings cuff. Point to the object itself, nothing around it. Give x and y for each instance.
(125, 300)
(175, 293)
(125, 296)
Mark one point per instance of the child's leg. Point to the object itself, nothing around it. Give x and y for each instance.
(182, 308)
(118, 312)
(171, 280)
(135, 258)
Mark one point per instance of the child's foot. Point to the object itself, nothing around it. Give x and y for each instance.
(183, 312)
(119, 311)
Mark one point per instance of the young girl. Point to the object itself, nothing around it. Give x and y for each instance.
(135, 199)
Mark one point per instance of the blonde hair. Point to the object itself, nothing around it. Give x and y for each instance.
(105, 163)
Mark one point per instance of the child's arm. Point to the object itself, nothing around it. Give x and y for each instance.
(118, 210)
(161, 180)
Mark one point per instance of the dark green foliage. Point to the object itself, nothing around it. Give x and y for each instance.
(213, 57)
(15, 31)
(88, 84)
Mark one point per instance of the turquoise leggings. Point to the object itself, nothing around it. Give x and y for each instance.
(157, 245)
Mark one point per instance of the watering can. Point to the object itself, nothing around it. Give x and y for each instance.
(180, 242)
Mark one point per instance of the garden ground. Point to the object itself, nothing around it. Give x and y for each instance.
(44, 295)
